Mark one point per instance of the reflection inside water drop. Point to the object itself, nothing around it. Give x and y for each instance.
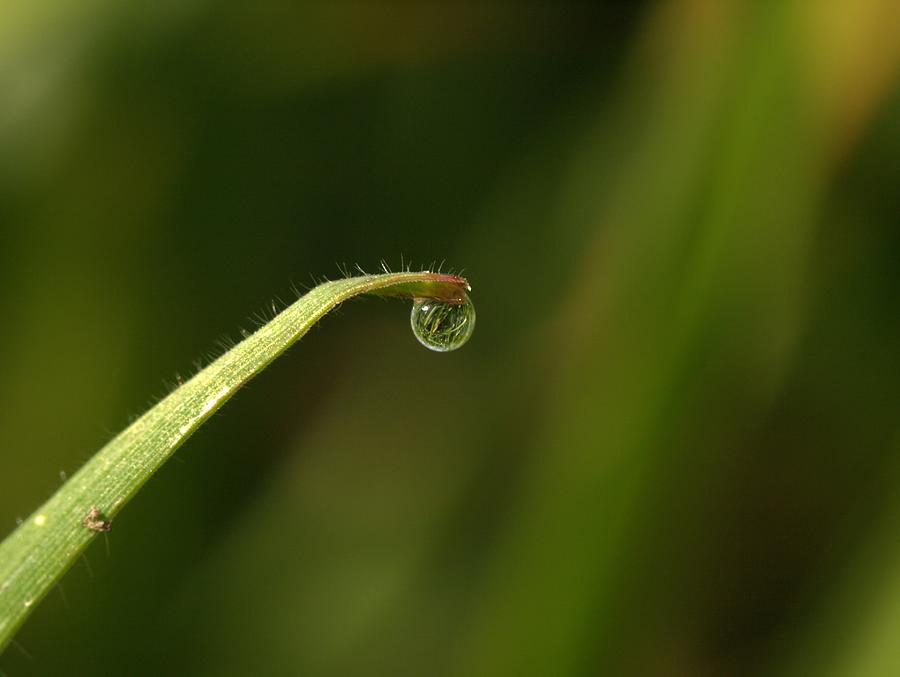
(442, 326)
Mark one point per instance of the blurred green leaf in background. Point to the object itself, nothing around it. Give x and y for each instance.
(669, 449)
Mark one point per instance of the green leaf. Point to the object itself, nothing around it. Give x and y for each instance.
(36, 555)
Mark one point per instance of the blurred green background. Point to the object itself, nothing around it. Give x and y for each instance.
(671, 447)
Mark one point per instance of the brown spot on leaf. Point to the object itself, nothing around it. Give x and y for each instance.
(95, 521)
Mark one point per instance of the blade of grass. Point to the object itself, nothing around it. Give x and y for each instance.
(36, 555)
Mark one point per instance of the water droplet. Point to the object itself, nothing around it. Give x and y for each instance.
(442, 326)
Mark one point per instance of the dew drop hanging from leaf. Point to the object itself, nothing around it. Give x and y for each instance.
(442, 326)
(117, 471)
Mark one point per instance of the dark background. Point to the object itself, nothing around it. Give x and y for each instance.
(670, 447)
